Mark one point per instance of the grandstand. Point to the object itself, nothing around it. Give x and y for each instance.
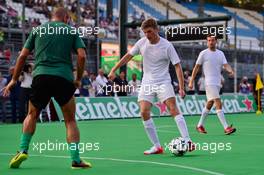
(249, 23)
(249, 28)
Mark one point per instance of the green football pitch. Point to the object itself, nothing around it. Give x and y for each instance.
(121, 144)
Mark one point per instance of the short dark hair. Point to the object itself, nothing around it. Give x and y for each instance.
(60, 13)
(149, 23)
(211, 35)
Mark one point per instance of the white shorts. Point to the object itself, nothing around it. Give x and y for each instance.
(212, 92)
(149, 92)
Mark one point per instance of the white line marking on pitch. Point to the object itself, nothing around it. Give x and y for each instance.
(241, 134)
(129, 161)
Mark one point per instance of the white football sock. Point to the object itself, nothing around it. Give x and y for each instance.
(180, 121)
(204, 115)
(222, 119)
(151, 131)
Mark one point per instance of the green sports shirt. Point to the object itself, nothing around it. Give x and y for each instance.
(53, 44)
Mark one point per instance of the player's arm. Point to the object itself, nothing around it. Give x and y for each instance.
(79, 48)
(27, 48)
(80, 66)
(226, 66)
(124, 60)
(229, 69)
(21, 60)
(180, 77)
(194, 73)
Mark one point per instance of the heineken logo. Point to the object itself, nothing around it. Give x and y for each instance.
(248, 103)
(97, 108)
(128, 107)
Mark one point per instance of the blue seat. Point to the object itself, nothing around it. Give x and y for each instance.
(251, 32)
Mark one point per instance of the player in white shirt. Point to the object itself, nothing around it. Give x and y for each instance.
(212, 60)
(157, 54)
(187, 79)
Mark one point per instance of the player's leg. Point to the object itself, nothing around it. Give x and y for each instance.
(39, 97)
(72, 131)
(166, 95)
(150, 128)
(221, 116)
(200, 126)
(145, 99)
(73, 134)
(212, 92)
(180, 121)
(178, 117)
(29, 126)
(63, 94)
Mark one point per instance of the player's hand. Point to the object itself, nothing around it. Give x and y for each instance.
(111, 76)
(77, 84)
(6, 90)
(182, 93)
(190, 85)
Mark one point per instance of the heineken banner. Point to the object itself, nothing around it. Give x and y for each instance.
(127, 107)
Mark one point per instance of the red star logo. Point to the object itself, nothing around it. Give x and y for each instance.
(162, 107)
(248, 104)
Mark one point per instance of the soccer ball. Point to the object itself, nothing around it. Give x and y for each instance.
(178, 146)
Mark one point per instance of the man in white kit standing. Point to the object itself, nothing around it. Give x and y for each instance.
(212, 60)
(157, 54)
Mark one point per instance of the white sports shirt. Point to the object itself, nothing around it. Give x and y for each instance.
(156, 60)
(212, 62)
